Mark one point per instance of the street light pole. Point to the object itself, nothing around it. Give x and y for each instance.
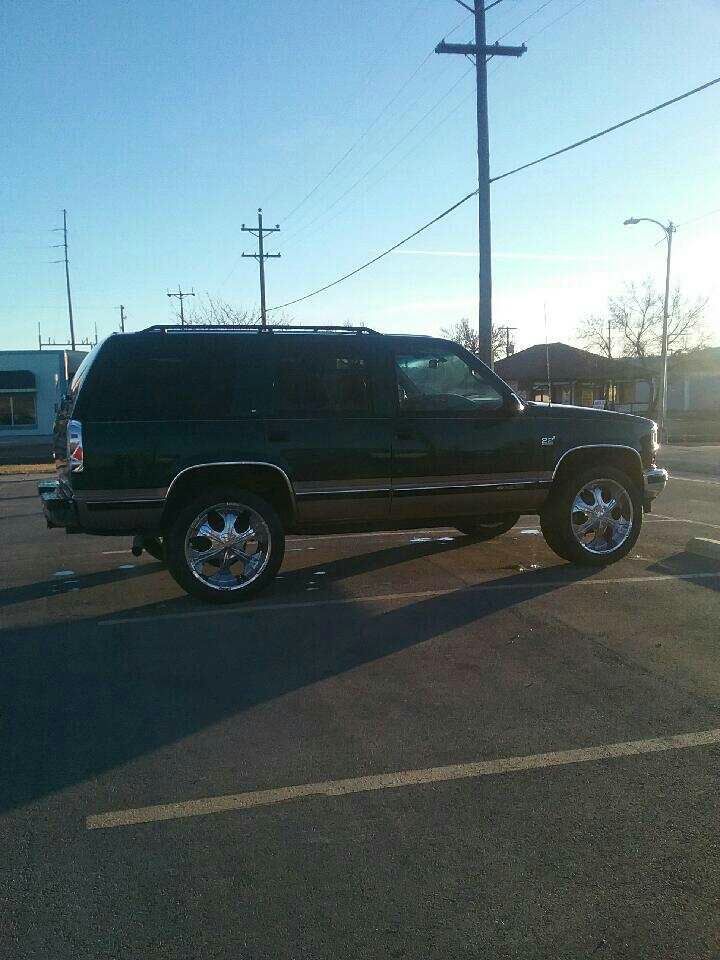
(668, 230)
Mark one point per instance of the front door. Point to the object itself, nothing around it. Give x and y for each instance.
(327, 428)
(459, 447)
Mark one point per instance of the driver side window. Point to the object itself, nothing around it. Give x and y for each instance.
(439, 381)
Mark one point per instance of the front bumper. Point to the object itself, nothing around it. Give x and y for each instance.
(58, 505)
(654, 482)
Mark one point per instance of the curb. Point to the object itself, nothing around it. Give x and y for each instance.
(703, 547)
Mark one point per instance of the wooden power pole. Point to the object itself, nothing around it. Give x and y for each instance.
(482, 52)
(261, 257)
(181, 296)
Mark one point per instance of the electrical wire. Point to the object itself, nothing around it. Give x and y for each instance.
(702, 216)
(502, 176)
(310, 223)
(602, 133)
(542, 6)
(380, 256)
(372, 125)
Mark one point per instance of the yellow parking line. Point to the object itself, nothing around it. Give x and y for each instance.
(389, 781)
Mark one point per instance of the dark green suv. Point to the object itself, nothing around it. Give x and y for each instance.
(209, 444)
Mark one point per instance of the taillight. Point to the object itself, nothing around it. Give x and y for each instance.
(75, 446)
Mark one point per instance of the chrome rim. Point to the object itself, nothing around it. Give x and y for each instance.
(601, 516)
(227, 546)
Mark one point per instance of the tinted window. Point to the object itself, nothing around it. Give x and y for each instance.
(170, 377)
(17, 409)
(438, 380)
(320, 381)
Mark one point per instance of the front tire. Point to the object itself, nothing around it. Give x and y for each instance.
(594, 517)
(225, 545)
(488, 527)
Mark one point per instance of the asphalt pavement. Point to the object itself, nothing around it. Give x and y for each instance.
(411, 745)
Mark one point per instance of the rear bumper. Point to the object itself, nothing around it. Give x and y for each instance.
(58, 505)
(654, 482)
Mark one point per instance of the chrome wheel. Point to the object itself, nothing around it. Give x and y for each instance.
(601, 516)
(227, 546)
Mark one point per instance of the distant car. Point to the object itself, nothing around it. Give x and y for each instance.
(210, 444)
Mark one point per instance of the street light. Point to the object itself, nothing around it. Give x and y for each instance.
(668, 230)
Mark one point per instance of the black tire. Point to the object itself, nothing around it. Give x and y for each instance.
(556, 518)
(488, 527)
(198, 584)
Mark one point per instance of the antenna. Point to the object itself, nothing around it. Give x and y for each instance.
(547, 356)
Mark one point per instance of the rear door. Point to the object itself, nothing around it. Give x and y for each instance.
(327, 427)
(459, 447)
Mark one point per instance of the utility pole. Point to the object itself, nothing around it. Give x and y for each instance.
(482, 52)
(261, 257)
(507, 330)
(181, 296)
(122, 318)
(64, 245)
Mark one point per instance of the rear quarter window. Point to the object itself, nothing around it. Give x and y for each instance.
(171, 377)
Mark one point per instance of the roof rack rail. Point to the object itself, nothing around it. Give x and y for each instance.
(253, 328)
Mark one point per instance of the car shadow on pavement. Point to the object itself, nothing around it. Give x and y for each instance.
(691, 567)
(49, 588)
(80, 698)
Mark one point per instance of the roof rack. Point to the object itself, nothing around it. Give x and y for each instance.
(253, 328)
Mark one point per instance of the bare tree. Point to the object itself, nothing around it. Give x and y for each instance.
(213, 311)
(633, 324)
(467, 336)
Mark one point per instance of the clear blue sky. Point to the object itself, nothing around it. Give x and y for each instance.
(161, 126)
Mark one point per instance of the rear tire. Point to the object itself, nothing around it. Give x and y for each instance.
(580, 525)
(225, 545)
(488, 527)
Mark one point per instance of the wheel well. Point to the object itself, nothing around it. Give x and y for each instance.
(267, 481)
(621, 458)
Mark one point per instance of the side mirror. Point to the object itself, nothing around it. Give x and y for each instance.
(513, 405)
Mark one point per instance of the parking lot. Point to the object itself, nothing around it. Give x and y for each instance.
(412, 745)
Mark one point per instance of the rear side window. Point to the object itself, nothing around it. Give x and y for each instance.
(170, 378)
(322, 380)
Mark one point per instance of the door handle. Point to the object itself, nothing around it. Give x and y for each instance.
(279, 437)
(406, 435)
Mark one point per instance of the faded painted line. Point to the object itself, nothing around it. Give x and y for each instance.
(679, 476)
(696, 523)
(380, 534)
(390, 781)
(412, 595)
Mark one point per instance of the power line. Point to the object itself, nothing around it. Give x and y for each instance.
(314, 220)
(501, 176)
(454, 110)
(702, 216)
(377, 163)
(403, 86)
(362, 136)
(602, 133)
(557, 20)
(379, 256)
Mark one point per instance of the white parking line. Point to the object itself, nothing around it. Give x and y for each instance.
(679, 476)
(390, 781)
(696, 523)
(412, 595)
(380, 534)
